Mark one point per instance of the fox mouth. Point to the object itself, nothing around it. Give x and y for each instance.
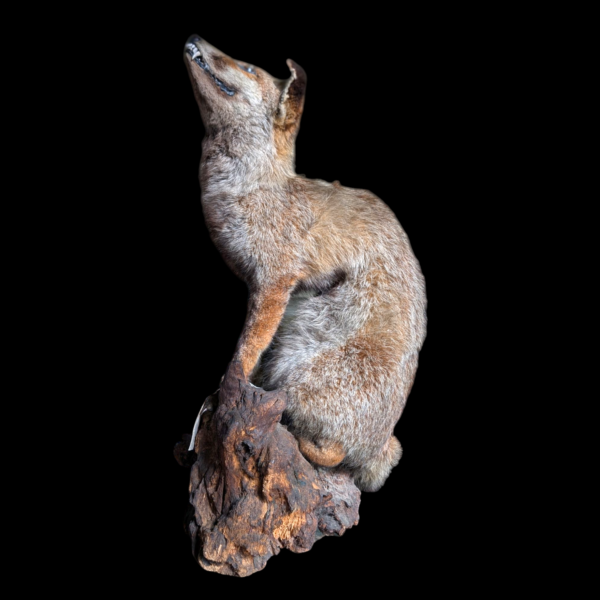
(192, 50)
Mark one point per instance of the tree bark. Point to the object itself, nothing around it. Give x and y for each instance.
(251, 491)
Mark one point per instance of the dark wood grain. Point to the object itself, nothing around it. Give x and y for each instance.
(252, 492)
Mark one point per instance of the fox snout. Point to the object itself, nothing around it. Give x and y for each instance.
(217, 77)
(232, 92)
(199, 57)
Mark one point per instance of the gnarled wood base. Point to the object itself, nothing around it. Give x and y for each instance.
(251, 490)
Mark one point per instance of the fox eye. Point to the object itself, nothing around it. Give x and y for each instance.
(247, 69)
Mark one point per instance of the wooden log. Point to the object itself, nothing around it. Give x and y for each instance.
(251, 490)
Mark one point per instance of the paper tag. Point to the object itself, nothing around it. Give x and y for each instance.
(195, 431)
(206, 406)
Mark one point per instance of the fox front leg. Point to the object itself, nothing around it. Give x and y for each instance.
(265, 311)
(266, 306)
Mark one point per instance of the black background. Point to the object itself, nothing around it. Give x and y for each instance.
(397, 104)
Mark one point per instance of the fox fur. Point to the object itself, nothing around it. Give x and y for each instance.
(336, 312)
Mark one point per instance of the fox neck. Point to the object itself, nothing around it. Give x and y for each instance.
(238, 160)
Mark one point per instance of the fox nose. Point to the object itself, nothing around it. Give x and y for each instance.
(193, 39)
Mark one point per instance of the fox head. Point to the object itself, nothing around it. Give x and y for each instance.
(233, 93)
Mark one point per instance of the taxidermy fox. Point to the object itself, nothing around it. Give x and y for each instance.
(336, 312)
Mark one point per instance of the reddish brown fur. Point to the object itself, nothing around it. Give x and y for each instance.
(330, 454)
(337, 298)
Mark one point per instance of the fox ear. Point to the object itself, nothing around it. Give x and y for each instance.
(291, 101)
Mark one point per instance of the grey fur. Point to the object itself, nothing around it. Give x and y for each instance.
(336, 315)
